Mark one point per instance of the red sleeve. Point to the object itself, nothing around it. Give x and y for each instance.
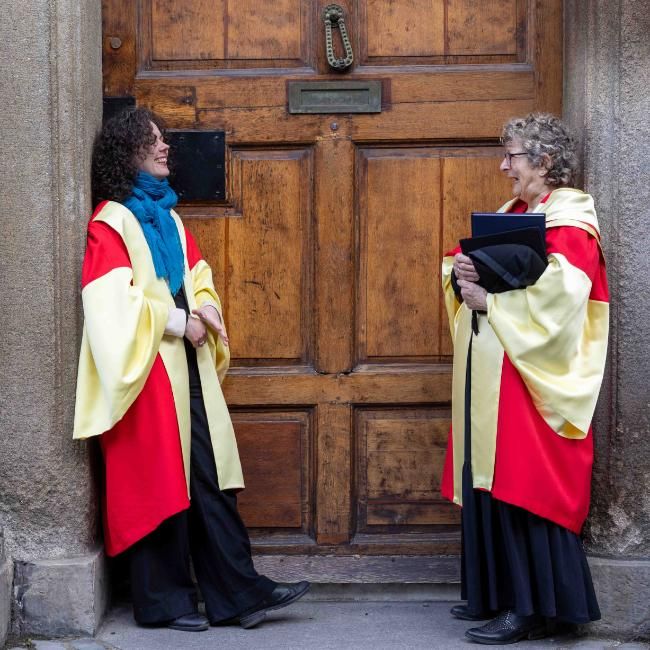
(193, 252)
(453, 252)
(581, 249)
(105, 251)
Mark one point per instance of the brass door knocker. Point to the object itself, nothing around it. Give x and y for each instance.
(333, 17)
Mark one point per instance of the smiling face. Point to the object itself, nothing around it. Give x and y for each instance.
(528, 182)
(154, 160)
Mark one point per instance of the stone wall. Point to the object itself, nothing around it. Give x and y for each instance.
(607, 77)
(50, 74)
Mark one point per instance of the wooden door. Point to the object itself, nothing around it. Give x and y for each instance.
(328, 246)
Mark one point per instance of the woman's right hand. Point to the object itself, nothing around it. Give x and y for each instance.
(195, 331)
(464, 268)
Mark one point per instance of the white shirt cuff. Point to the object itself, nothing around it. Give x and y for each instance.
(176, 322)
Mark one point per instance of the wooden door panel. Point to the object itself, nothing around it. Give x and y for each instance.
(175, 104)
(413, 208)
(398, 302)
(385, 385)
(275, 448)
(185, 29)
(327, 248)
(268, 251)
(470, 183)
(274, 34)
(448, 32)
(494, 31)
(333, 486)
(214, 94)
(456, 121)
(270, 125)
(400, 29)
(210, 234)
(201, 34)
(334, 259)
(462, 120)
(400, 456)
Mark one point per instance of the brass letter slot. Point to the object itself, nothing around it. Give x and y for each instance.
(334, 96)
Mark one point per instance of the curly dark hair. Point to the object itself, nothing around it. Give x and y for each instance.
(543, 133)
(118, 147)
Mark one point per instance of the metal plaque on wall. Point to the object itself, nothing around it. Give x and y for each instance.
(198, 165)
(334, 96)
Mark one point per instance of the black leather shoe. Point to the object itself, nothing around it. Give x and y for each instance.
(283, 595)
(189, 623)
(508, 627)
(461, 612)
(226, 622)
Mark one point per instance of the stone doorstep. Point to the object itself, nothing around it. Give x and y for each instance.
(68, 597)
(316, 626)
(60, 597)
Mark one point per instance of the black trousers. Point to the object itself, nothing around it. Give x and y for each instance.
(211, 532)
(513, 559)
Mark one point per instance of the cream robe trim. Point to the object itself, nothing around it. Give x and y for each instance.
(487, 362)
(565, 204)
(451, 302)
(566, 402)
(557, 339)
(112, 372)
(554, 335)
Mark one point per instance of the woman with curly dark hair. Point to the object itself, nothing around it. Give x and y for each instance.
(527, 371)
(153, 353)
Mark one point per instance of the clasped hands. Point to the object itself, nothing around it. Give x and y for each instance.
(196, 330)
(474, 296)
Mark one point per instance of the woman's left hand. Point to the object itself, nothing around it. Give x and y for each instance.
(474, 296)
(212, 318)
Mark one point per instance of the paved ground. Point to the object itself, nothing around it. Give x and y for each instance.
(317, 625)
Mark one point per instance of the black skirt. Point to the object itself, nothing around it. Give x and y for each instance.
(513, 559)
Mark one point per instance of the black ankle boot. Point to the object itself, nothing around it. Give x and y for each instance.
(508, 627)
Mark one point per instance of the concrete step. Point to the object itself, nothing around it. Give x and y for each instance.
(320, 624)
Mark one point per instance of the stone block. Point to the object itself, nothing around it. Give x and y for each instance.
(61, 597)
(623, 590)
(6, 579)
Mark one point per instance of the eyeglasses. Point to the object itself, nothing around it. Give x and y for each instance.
(509, 156)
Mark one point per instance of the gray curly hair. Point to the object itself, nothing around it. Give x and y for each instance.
(542, 133)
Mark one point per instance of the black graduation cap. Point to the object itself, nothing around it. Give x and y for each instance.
(507, 260)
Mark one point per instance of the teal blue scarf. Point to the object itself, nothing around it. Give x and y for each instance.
(151, 201)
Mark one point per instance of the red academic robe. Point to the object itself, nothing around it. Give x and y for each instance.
(535, 468)
(145, 477)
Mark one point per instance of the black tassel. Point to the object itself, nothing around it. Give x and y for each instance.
(474, 321)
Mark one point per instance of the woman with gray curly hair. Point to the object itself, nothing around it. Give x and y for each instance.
(526, 380)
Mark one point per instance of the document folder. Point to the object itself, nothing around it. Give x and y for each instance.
(490, 223)
(494, 228)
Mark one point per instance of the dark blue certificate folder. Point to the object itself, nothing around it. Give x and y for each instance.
(491, 223)
(492, 228)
